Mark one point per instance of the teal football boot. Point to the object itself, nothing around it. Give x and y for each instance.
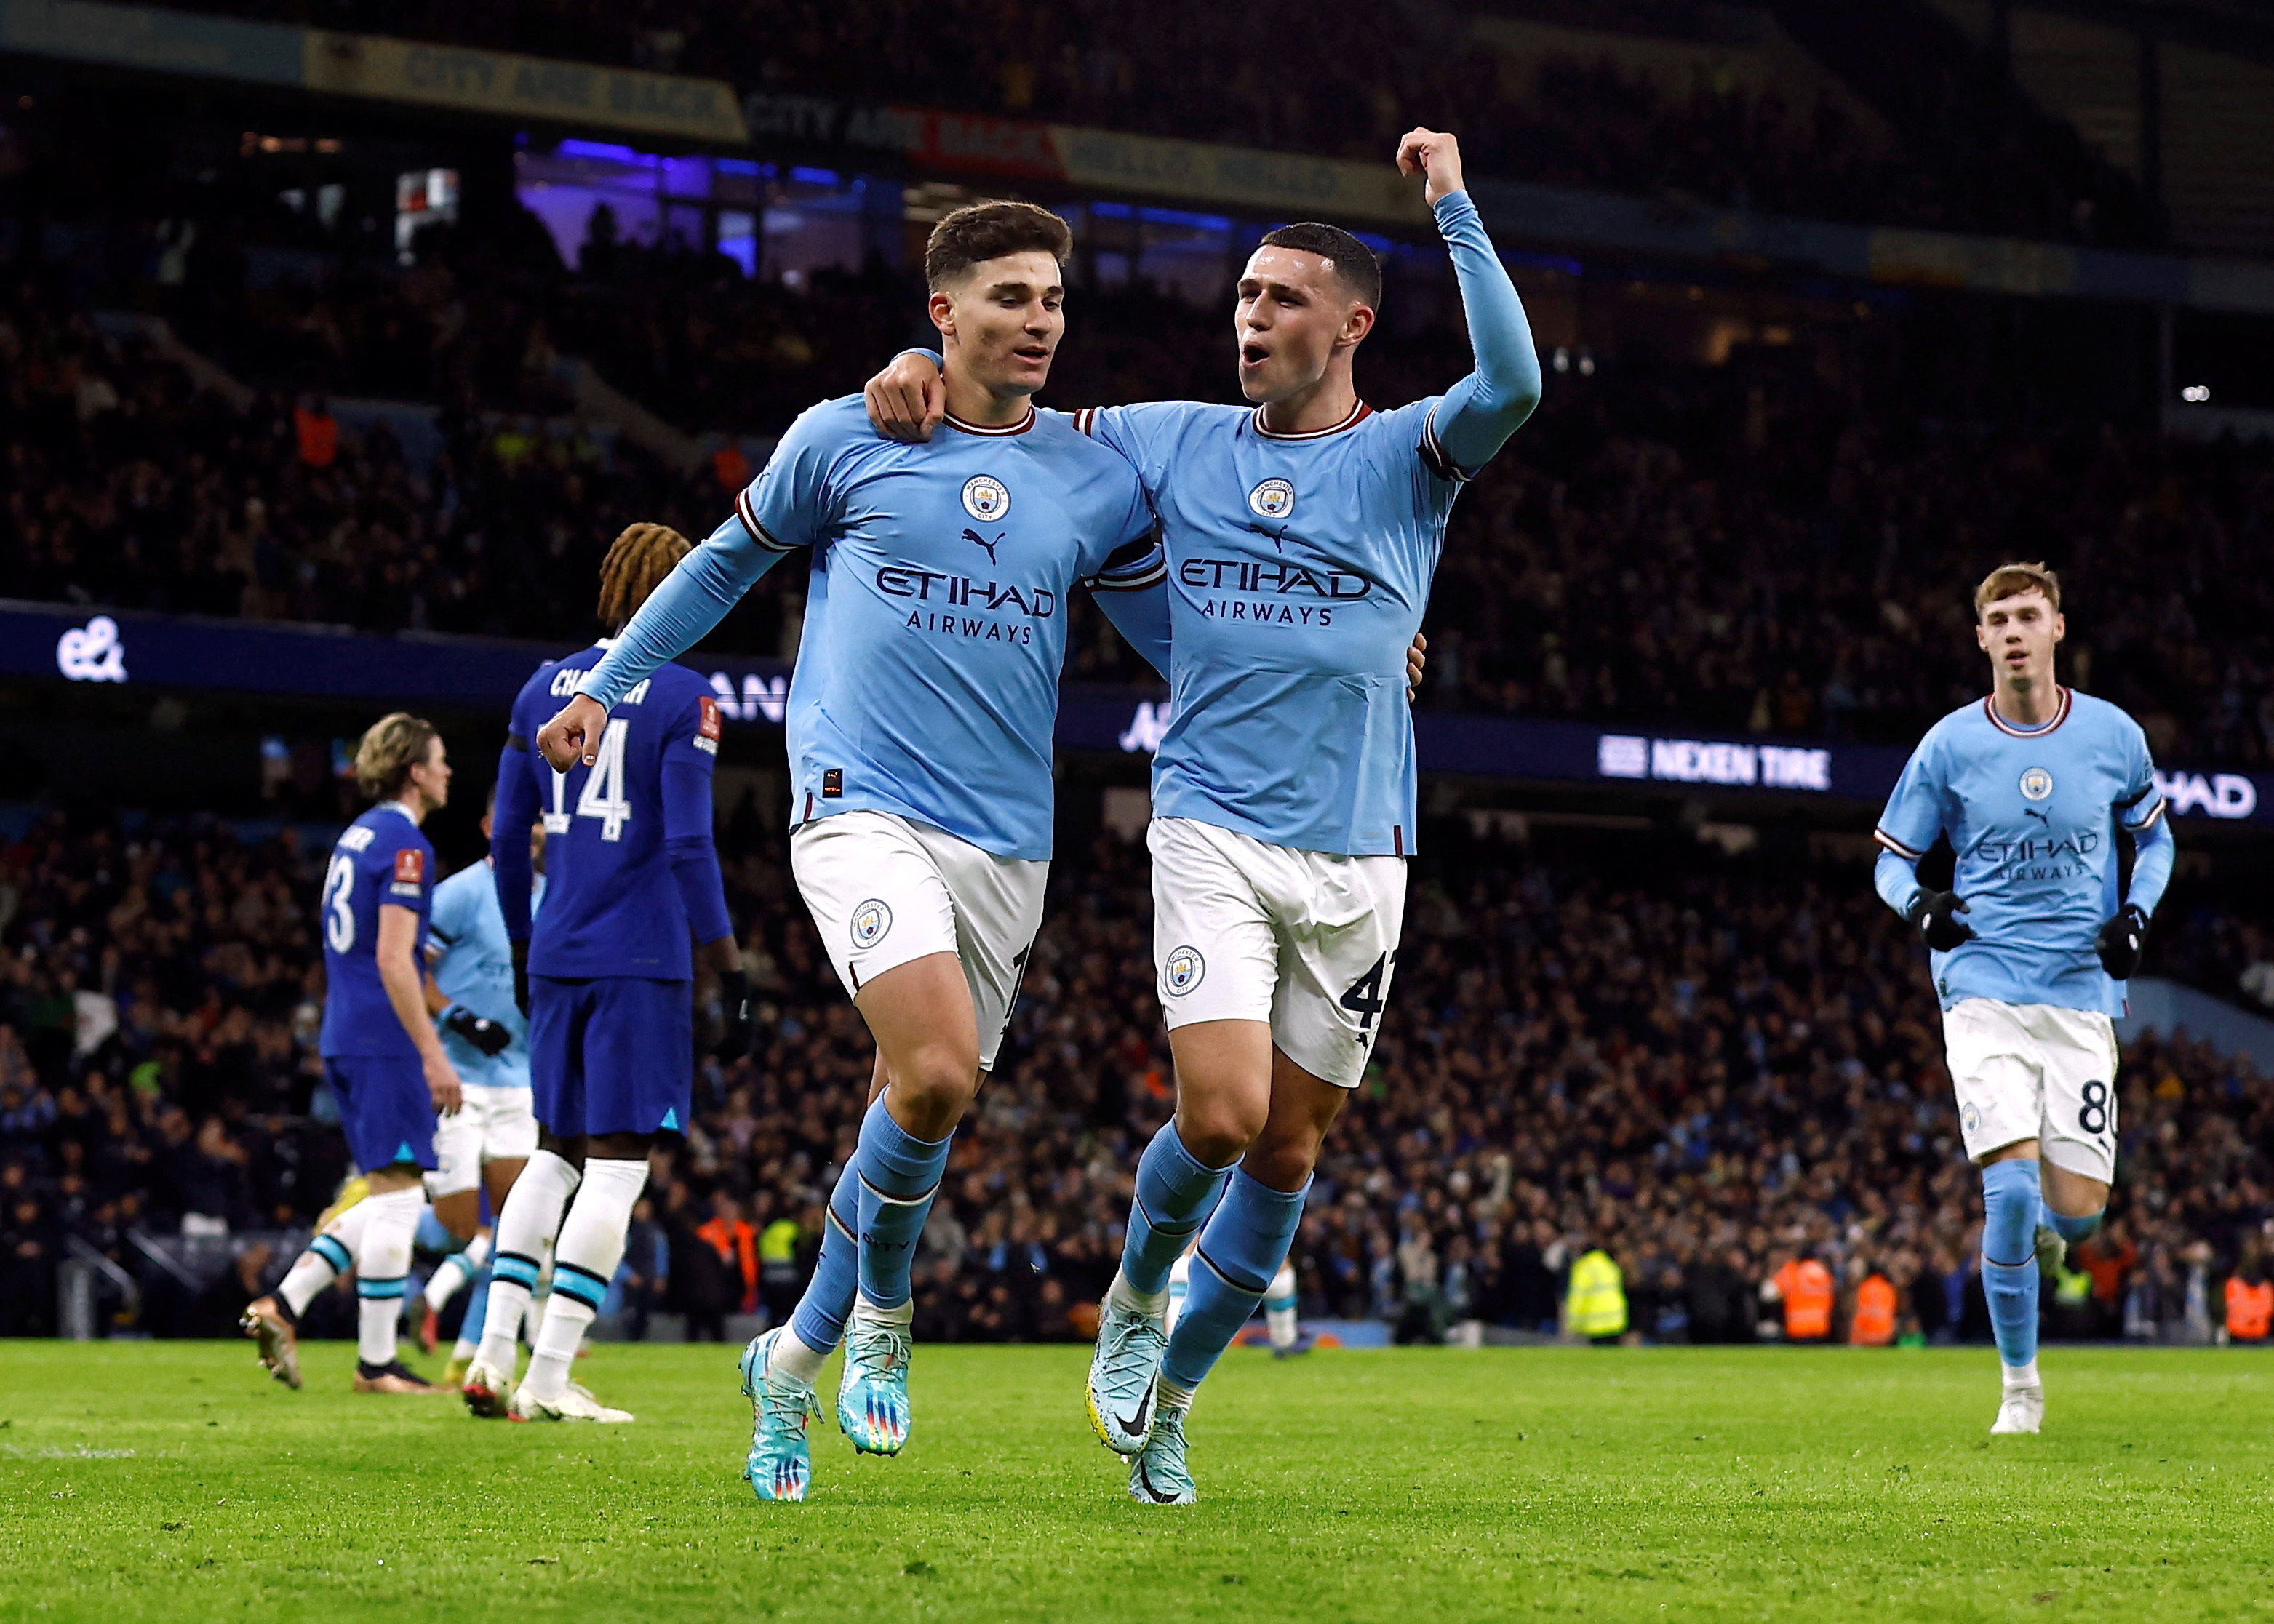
(780, 1463)
(1157, 1476)
(1130, 1347)
(872, 1394)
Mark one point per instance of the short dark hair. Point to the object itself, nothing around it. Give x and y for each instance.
(1353, 261)
(983, 231)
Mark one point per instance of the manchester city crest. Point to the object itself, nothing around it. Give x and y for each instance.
(1274, 498)
(985, 497)
(1182, 970)
(871, 921)
(2036, 784)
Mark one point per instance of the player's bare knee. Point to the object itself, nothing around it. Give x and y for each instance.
(1282, 1160)
(930, 1093)
(1219, 1131)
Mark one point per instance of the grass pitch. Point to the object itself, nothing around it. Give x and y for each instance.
(174, 1481)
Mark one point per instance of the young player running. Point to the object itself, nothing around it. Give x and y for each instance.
(632, 876)
(1301, 537)
(2037, 789)
(482, 1148)
(386, 1065)
(919, 735)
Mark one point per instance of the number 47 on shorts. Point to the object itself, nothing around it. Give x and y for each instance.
(1365, 996)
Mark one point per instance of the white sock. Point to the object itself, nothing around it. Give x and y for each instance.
(790, 1357)
(1130, 1300)
(457, 1271)
(866, 1312)
(384, 1258)
(532, 1317)
(2021, 1375)
(462, 1350)
(565, 1322)
(1168, 1395)
(584, 1260)
(1279, 1308)
(312, 1271)
(530, 1219)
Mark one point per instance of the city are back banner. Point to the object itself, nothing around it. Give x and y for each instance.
(51, 642)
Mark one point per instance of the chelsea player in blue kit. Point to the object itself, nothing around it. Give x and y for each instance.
(1301, 536)
(2038, 788)
(919, 728)
(632, 877)
(382, 1057)
(482, 1149)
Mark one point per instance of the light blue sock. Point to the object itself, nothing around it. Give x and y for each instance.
(1240, 1249)
(899, 1174)
(2070, 1229)
(819, 1321)
(2011, 1197)
(478, 1308)
(1176, 1191)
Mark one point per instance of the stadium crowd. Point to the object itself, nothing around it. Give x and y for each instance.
(1710, 1067)
(1807, 551)
(1347, 84)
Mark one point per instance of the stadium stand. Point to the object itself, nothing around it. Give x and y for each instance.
(1816, 543)
(1950, 149)
(1619, 1041)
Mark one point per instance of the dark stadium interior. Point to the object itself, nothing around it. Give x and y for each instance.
(1672, 1020)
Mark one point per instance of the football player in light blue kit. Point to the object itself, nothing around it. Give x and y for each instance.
(386, 1065)
(470, 992)
(2036, 787)
(1302, 535)
(919, 725)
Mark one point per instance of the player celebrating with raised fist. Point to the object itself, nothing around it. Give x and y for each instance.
(2037, 789)
(1302, 535)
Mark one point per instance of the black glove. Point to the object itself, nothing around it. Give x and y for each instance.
(740, 1026)
(1931, 911)
(521, 977)
(482, 1032)
(2119, 942)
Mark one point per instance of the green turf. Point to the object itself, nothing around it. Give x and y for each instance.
(173, 1481)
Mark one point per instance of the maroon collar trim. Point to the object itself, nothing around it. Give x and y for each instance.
(1359, 414)
(2061, 715)
(1019, 427)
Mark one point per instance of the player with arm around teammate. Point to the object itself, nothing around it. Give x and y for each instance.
(382, 1057)
(631, 878)
(919, 732)
(2035, 786)
(1302, 535)
(481, 1150)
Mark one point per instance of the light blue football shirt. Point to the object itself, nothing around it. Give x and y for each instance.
(927, 681)
(473, 966)
(1299, 568)
(2032, 816)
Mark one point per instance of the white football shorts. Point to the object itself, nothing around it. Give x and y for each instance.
(2036, 1071)
(883, 891)
(1246, 930)
(494, 1124)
